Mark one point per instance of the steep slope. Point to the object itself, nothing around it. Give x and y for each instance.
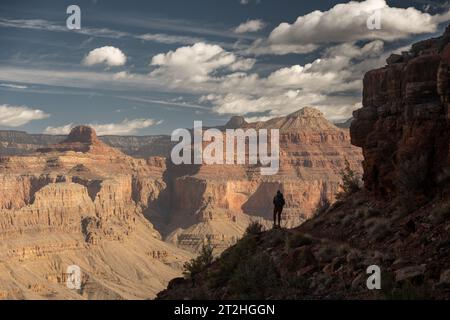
(80, 202)
(399, 222)
(217, 202)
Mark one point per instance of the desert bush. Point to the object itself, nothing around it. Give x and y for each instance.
(255, 278)
(230, 259)
(298, 240)
(391, 290)
(254, 228)
(326, 253)
(351, 182)
(377, 229)
(200, 263)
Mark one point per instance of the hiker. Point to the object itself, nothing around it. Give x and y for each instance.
(278, 203)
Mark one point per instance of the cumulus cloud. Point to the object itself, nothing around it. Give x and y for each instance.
(250, 26)
(122, 75)
(125, 127)
(331, 83)
(196, 63)
(16, 116)
(59, 130)
(348, 22)
(107, 55)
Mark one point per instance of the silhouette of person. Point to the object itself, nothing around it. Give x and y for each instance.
(278, 204)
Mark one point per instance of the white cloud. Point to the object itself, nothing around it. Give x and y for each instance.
(348, 22)
(250, 26)
(107, 55)
(126, 127)
(245, 2)
(122, 75)
(196, 63)
(59, 130)
(12, 86)
(16, 116)
(168, 39)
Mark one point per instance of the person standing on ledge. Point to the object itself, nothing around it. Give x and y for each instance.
(278, 204)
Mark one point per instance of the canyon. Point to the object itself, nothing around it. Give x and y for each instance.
(399, 221)
(130, 221)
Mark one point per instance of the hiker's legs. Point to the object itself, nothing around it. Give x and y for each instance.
(275, 210)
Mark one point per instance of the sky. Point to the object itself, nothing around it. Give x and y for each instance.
(150, 67)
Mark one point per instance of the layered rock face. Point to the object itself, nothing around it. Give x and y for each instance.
(217, 202)
(403, 129)
(80, 202)
(403, 125)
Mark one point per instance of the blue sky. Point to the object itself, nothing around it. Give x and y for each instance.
(148, 67)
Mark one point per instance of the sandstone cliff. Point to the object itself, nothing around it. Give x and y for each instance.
(217, 202)
(80, 202)
(399, 222)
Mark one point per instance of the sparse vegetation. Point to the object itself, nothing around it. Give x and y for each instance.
(377, 229)
(297, 240)
(200, 263)
(256, 278)
(351, 182)
(254, 228)
(231, 258)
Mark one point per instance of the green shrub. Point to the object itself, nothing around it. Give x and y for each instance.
(200, 263)
(230, 259)
(351, 182)
(254, 228)
(255, 278)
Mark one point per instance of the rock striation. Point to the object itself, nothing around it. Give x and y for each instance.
(81, 202)
(216, 202)
(403, 124)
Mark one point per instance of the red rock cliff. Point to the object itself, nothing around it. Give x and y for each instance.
(403, 126)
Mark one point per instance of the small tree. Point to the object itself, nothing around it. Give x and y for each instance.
(351, 182)
(254, 228)
(200, 263)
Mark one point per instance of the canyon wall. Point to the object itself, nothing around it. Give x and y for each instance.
(216, 202)
(80, 202)
(403, 124)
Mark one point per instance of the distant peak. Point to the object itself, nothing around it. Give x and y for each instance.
(83, 134)
(306, 112)
(235, 122)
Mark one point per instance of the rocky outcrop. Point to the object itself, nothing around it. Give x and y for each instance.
(403, 125)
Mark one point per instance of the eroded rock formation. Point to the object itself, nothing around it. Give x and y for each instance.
(403, 125)
(80, 202)
(217, 202)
